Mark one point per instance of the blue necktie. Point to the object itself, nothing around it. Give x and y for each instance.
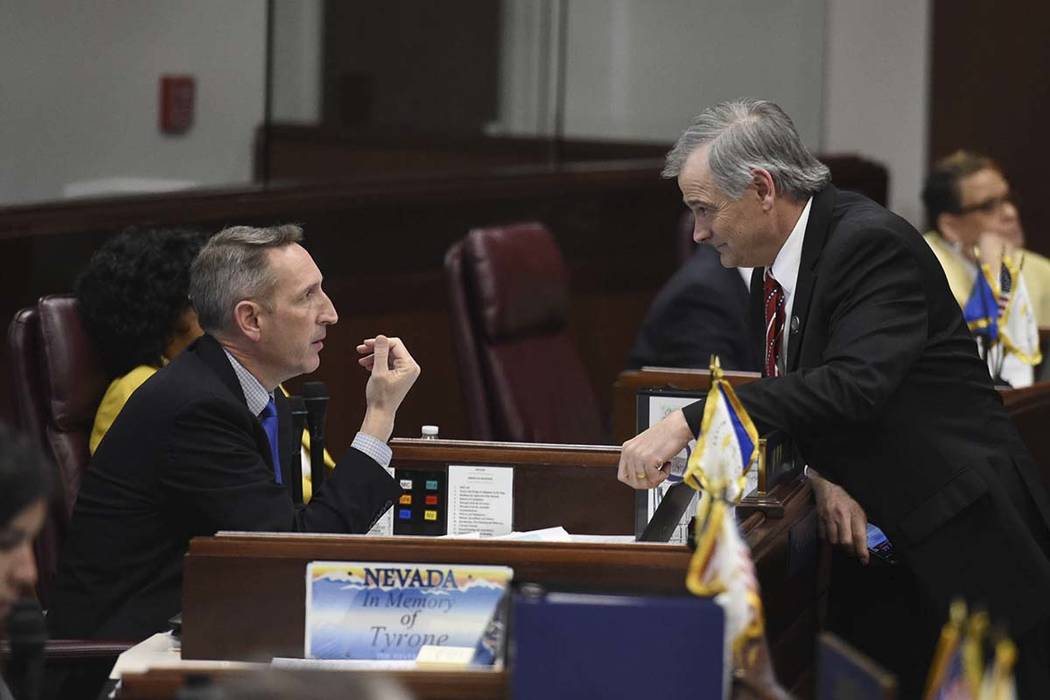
(268, 418)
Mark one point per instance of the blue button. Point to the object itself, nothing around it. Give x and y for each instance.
(432, 485)
(405, 514)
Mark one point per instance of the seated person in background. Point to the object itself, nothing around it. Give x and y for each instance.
(201, 445)
(134, 301)
(969, 205)
(133, 298)
(24, 483)
(701, 311)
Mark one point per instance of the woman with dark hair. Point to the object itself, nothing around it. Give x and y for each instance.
(133, 299)
(25, 478)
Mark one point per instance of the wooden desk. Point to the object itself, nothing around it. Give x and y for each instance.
(244, 594)
(162, 684)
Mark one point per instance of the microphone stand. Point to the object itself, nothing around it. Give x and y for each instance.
(297, 408)
(27, 634)
(315, 396)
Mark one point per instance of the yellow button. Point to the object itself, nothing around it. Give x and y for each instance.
(406, 499)
(430, 515)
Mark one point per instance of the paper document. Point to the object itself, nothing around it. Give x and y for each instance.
(481, 499)
(549, 534)
(384, 527)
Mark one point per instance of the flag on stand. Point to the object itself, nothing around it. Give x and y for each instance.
(959, 670)
(981, 311)
(1017, 323)
(721, 566)
(947, 679)
(998, 683)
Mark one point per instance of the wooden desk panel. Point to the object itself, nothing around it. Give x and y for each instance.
(582, 495)
(162, 684)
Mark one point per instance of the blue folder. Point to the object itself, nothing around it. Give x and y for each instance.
(611, 647)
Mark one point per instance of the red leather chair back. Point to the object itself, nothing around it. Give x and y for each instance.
(23, 341)
(75, 385)
(521, 373)
(59, 383)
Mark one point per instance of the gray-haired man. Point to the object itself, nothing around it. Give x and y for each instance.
(871, 370)
(198, 447)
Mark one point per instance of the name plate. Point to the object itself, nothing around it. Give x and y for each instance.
(380, 611)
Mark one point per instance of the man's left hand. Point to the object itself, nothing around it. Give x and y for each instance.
(840, 519)
(392, 372)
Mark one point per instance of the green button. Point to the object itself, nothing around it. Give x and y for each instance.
(432, 485)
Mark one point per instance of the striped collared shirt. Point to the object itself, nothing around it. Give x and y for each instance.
(256, 396)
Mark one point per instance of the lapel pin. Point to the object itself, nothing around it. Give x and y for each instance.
(794, 324)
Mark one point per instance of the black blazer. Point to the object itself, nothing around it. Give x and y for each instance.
(885, 395)
(186, 458)
(701, 311)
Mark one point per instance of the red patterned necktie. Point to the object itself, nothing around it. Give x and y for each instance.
(774, 296)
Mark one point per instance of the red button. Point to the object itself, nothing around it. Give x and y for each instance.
(432, 500)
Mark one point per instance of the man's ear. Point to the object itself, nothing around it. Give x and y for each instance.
(766, 190)
(947, 225)
(246, 318)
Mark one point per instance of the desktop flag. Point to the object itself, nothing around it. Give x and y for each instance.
(958, 671)
(998, 683)
(1017, 323)
(947, 679)
(721, 566)
(981, 311)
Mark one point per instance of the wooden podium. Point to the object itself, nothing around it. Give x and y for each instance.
(244, 593)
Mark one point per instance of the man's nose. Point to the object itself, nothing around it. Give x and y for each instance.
(700, 232)
(1009, 211)
(24, 569)
(328, 315)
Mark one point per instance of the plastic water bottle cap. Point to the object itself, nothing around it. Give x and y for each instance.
(430, 431)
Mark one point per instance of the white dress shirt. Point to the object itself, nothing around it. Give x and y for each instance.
(785, 271)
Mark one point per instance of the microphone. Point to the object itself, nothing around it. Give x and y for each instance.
(297, 408)
(315, 396)
(27, 634)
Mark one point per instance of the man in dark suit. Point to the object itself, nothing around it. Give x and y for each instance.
(193, 451)
(701, 311)
(869, 367)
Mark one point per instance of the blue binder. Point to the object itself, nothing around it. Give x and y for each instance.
(594, 646)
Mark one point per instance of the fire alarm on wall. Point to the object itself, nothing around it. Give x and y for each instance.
(177, 94)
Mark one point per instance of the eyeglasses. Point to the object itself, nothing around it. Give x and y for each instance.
(990, 205)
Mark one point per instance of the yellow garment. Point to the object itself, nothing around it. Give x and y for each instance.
(118, 393)
(328, 461)
(121, 389)
(1035, 269)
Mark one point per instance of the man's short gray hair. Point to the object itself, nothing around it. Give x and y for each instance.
(746, 134)
(231, 267)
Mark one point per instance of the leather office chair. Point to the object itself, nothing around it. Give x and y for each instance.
(520, 371)
(59, 383)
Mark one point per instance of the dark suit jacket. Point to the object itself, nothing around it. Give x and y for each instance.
(701, 311)
(885, 395)
(186, 458)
